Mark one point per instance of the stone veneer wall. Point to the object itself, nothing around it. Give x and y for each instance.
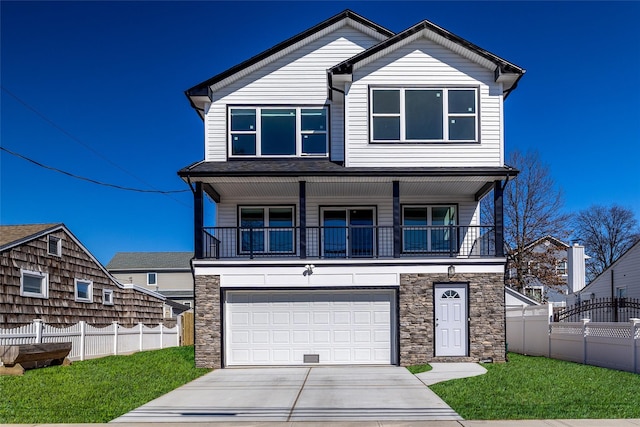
(487, 333)
(208, 344)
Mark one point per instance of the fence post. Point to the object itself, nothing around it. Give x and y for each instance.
(38, 326)
(550, 320)
(115, 337)
(141, 332)
(635, 327)
(82, 338)
(161, 335)
(585, 332)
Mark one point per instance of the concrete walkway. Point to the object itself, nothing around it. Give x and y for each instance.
(323, 393)
(450, 371)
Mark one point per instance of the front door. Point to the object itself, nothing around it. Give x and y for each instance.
(451, 319)
(347, 233)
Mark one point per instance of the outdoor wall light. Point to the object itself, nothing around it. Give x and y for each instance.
(309, 269)
(451, 271)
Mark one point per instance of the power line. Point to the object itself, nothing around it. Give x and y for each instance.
(79, 141)
(93, 181)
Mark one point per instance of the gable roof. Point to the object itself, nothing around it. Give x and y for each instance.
(504, 71)
(202, 89)
(16, 235)
(13, 235)
(520, 297)
(150, 261)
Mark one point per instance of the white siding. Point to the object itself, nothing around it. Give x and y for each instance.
(467, 209)
(626, 274)
(423, 62)
(299, 78)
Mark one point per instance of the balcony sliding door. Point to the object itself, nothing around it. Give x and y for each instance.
(347, 233)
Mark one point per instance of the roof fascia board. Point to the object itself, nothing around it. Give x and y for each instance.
(437, 34)
(289, 45)
(497, 174)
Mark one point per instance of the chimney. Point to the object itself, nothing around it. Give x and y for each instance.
(575, 265)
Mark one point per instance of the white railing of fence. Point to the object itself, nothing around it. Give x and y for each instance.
(609, 345)
(89, 341)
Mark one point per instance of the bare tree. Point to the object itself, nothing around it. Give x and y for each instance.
(606, 233)
(533, 208)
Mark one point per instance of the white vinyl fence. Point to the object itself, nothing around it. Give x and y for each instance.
(610, 345)
(90, 342)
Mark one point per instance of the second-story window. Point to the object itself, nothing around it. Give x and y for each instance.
(278, 131)
(424, 115)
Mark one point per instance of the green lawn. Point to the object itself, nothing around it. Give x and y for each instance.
(95, 391)
(540, 388)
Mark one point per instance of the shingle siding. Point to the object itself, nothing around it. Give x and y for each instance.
(60, 308)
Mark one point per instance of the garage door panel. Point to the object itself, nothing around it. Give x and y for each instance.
(282, 327)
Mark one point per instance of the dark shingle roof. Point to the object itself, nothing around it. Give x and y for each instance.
(150, 261)
(306, 167)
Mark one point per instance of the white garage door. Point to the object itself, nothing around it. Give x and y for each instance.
(297, 327)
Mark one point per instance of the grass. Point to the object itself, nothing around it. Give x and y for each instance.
(416, 369)
(95, 391)
(540, 388)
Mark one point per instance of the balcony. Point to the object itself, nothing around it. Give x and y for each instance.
(354, 242)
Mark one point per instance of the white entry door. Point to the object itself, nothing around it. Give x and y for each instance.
(451, 319)
(276, 327)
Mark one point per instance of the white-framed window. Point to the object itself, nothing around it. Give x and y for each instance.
(561, 268)
(83, 290)
(427, 228)
(54, 246)
(34, 284)
(423, 114)
(276, 131)
(152, 279)
(621, 292)
(107, 297)
(266, 229)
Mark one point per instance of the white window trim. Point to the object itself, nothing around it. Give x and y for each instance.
(106, 292)
(266, 220)
(429, 223)
(258, 131)
(58, 242)
(89, 299)
(156, 278)
(445, 115)
(44, 277)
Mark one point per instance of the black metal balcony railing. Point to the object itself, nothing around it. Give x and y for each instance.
(349, 242)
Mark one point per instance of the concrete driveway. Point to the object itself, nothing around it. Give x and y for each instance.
(345, 393)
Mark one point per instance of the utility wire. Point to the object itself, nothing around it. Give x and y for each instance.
(93, 181)
(74, 138)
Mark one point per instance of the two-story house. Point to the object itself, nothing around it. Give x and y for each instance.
(168, 273)
(347, 164)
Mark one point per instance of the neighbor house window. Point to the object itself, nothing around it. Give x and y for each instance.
(54, 246)
(428, 228)
(107, 297)
(34, 284)
(266, 229)
(83, 290)
(424, 115)
(561, 268)
(278, 131)
(152, 279)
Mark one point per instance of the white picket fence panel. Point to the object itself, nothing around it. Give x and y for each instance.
(610, 345)
(89, 341)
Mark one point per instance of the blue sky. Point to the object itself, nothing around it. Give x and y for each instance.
(107, 80)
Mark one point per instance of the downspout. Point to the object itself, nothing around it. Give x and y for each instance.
(331, 87)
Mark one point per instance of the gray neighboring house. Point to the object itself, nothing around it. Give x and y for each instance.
(168, 273)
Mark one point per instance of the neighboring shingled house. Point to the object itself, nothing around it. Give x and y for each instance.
(168, 273)
(46, 273)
